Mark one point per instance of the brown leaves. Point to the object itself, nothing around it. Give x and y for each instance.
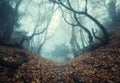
(100, 66)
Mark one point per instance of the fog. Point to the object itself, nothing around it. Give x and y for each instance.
(57, 29)
(50, 20)
(57, 26)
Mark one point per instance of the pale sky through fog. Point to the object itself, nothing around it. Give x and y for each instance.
(57, 26)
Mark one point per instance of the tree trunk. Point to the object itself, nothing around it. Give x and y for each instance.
(102, 28)
(74, 44)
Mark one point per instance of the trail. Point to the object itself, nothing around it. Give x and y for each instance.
(99, 66)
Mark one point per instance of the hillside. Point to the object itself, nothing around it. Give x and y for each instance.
(99, 66)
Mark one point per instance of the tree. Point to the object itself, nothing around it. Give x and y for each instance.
(8, 18)
(113, 11)
(9, 22)
(40, 28)
(74, 44)
(76, 13)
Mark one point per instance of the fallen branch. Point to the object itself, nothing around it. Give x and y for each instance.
(12, 64)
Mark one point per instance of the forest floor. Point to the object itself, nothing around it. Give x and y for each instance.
(99, 66)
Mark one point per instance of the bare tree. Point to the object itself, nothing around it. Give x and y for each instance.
(8, 17)
(113, 12)
(76, 13)
(40, 29)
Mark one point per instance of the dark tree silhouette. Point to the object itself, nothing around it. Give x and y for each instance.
(8, 18)
(113, 12)
(76, 13)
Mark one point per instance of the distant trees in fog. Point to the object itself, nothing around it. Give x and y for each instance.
(75, 15)
(61, 50)
(10, 15)
(113, 9)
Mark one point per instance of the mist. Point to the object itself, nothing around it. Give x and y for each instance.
(59, 33)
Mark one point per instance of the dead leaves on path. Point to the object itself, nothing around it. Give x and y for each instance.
(100, 66)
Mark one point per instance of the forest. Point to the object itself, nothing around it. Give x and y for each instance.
(37, 25)
(77, 39)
